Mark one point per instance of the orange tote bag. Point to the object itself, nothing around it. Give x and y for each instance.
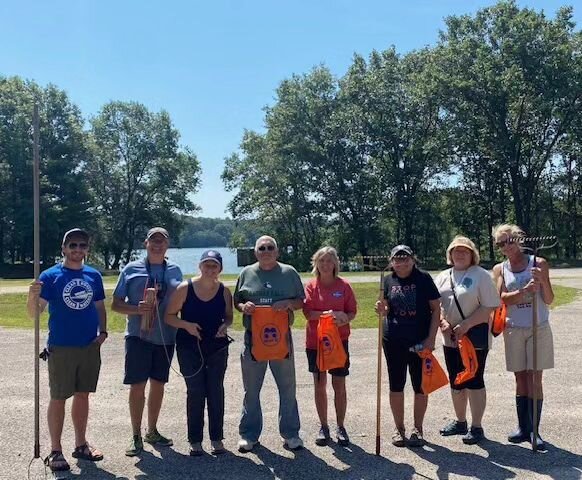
(469, 359)
(330, 350)
(498, 319)
(270, 329)
(433, 375)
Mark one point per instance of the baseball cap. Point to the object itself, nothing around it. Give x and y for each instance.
(77, 232)
(211, 256)
(153, 231)
(401, 251)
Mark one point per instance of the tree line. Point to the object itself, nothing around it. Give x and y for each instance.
(116, 174)
(483, 127)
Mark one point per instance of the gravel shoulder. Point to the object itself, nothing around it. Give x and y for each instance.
(442, 458)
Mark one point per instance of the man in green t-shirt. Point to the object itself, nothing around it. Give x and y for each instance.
(268, 283)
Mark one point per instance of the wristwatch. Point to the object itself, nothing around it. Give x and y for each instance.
(103, 332)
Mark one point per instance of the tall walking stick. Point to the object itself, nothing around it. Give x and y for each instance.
(537, 244)
(379, 366)
(36, 201)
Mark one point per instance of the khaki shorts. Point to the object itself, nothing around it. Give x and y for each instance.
(73, 369)
(519, 348)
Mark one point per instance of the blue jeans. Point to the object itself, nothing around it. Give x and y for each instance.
(253, 374)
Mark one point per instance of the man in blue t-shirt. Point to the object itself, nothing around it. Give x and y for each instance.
(149, 342)
(77, 325)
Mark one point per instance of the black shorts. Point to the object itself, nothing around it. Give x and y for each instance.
(144, 360)
(455, 366)
(399, 359)
(334, 372)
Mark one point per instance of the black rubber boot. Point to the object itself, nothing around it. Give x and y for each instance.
(540, 442)
(522, 433)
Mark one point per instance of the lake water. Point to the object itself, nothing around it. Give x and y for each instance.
(188, 258)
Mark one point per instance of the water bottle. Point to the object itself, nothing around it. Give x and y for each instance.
(416, 348)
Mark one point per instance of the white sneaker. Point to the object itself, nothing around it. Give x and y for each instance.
(294, 443)
(245, 445)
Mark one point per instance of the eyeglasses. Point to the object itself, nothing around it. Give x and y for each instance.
(82, 246)
(262, 248)
(502, 243)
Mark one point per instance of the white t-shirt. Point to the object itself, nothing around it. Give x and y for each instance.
(474, 288)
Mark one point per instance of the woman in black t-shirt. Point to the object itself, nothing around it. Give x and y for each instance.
(412, 308)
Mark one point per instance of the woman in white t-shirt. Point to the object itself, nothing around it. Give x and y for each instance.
(468, 296)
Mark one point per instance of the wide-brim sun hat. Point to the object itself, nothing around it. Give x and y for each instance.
(461, 241)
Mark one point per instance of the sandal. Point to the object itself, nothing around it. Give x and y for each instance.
(87, 452)
(57, 462)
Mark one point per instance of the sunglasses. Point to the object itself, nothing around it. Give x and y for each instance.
(74, 245)
(503, 243)
(269, 248)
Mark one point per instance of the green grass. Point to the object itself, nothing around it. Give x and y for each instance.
(13, 309)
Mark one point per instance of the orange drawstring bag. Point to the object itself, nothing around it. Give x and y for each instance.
(433, 375)
(469, 359)
(269, 332)
(498, 319)
(330, 350)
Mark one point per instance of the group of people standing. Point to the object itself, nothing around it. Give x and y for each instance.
(165, 312)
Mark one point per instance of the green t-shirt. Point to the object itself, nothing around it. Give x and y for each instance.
(265, 287)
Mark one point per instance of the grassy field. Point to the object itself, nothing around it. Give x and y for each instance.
(13, 309)
(111, 280)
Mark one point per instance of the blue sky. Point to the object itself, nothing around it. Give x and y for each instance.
(212, 65)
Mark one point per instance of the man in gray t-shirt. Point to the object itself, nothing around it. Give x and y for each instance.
(149, 348)
(274, 284)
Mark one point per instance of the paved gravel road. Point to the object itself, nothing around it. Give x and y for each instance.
(442, 458)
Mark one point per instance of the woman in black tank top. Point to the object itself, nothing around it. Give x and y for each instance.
(205, 307)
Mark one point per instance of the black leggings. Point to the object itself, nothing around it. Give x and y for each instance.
(398, 359)
(455, 366)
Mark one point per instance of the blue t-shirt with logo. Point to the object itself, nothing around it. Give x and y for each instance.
(131, 286)
(71, 296)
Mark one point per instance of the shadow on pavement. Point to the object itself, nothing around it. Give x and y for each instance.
(556, 463)
(368, 466)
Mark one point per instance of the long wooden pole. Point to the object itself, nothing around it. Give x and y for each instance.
(534, 326)
(36, 201)
(379, 366)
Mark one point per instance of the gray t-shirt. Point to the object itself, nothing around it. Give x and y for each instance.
(131, 286)
(265, 287)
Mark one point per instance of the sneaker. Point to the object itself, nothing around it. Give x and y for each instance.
(135, 447)
(475, 435)
(342, 437)
(294, 443)
(416, 438)
(246, 445)
(217, 447)
(196, 449)
(454, 428)
(156, 438)
(323, 436)
(399, 438)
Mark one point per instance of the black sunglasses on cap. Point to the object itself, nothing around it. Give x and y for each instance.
(262, 248)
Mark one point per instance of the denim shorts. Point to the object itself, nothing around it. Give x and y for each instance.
(144, 360)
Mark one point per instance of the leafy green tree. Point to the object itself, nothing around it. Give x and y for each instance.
(65, 200)
(511, 77)
(140, 176)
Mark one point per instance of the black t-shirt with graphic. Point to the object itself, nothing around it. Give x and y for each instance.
(409, 317)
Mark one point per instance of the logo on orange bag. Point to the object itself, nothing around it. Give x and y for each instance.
(327, 344)
(270, 335)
